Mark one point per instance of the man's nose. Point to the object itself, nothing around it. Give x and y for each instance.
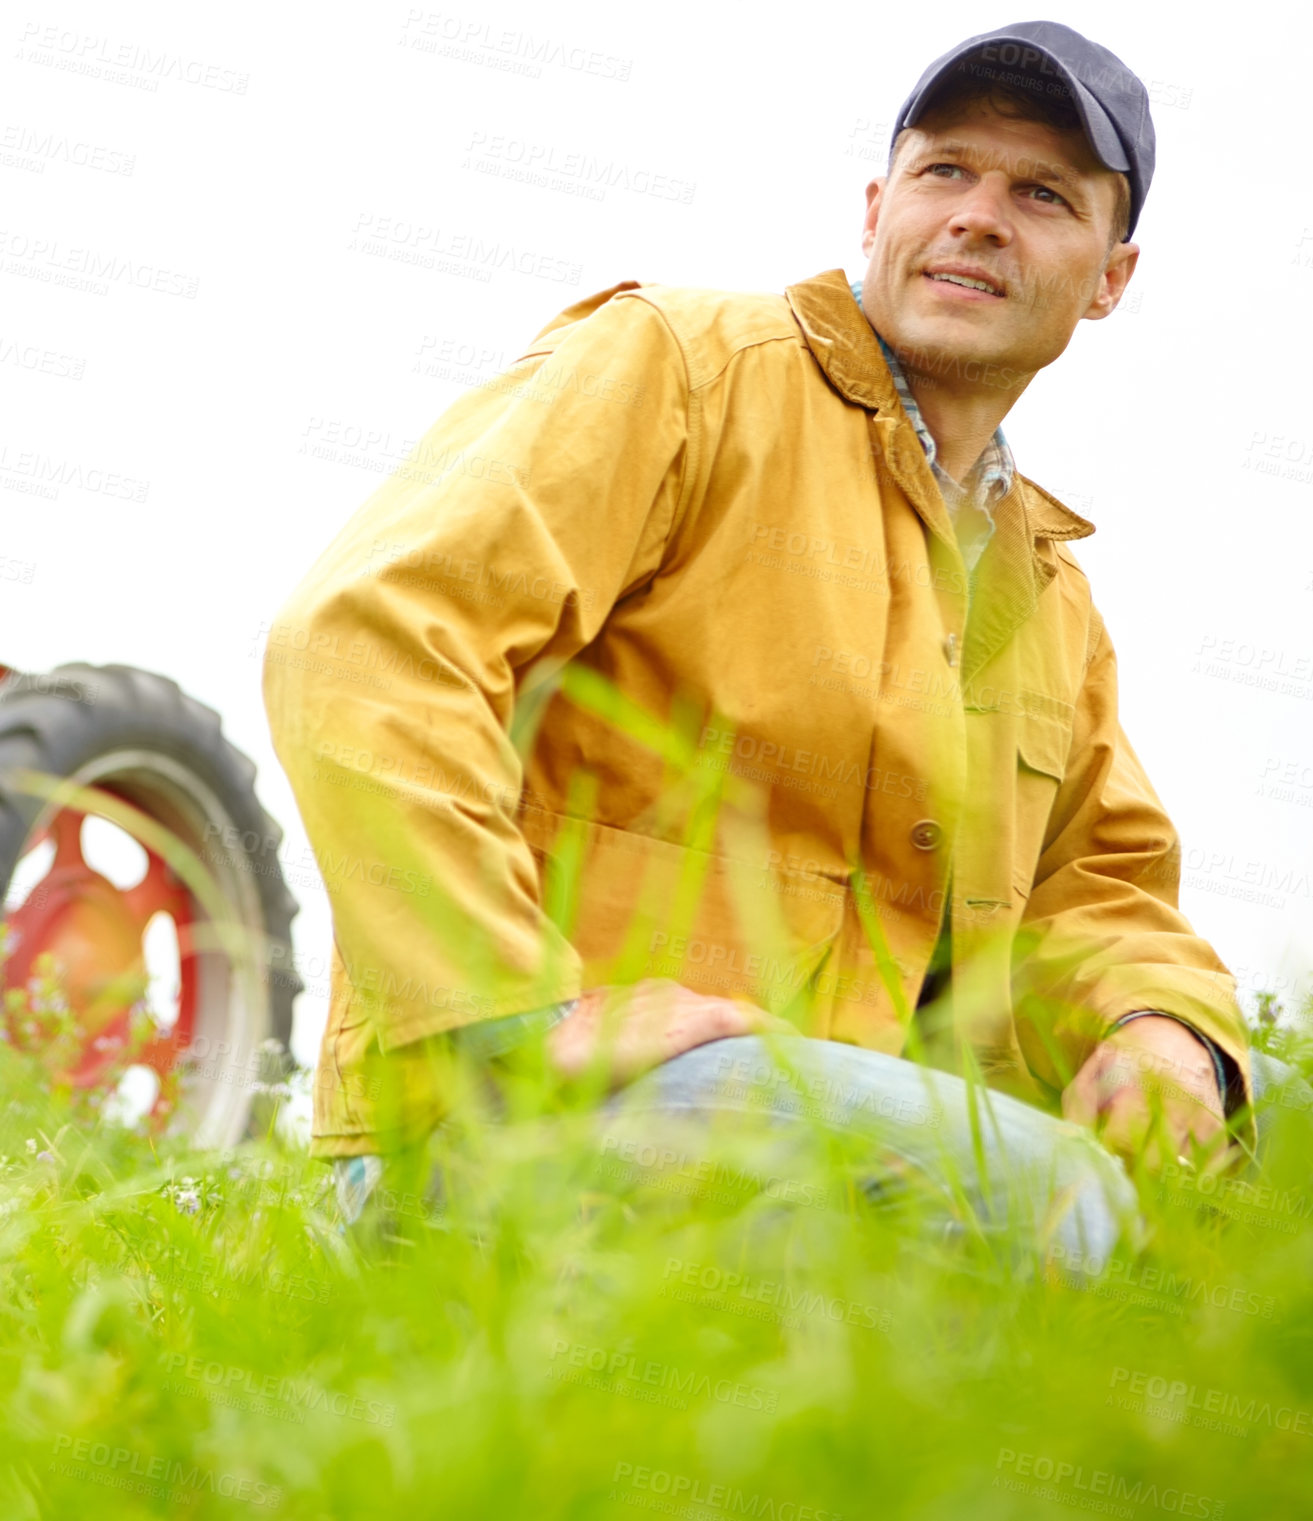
(984, 210)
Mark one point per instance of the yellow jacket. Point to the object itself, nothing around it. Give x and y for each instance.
(657, 658)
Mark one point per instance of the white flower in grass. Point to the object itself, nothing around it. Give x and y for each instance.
(186, 1195)
(31, 1146)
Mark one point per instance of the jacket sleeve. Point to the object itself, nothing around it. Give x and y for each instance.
(1102, 935)
(391, 675)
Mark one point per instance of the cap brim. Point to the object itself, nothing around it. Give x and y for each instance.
(1099, 130)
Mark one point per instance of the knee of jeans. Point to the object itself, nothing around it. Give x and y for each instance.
(1270, 1075)
(1090, 1228)
(727, 1059)
(1264, 1072)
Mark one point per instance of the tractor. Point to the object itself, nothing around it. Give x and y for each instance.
(146, 954)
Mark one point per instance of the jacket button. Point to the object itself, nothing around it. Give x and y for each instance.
(927, 835)
(950, 649)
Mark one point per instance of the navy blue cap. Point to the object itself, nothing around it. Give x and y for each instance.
(1110, 100)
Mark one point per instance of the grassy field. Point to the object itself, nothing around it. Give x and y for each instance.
(575, 1332)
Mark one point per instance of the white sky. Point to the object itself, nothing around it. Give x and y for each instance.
(263, 139)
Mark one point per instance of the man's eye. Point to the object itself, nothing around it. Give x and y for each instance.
(945, 171)
(1048, 190)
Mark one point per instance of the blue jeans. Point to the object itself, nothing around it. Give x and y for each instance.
(1046, 1180)
(1050, 1178)
(1281, 1086)
(1045, 1175)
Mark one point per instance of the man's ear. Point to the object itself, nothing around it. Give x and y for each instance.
(874, 194)
(1113, 281)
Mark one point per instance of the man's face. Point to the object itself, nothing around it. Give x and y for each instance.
(1024, 207)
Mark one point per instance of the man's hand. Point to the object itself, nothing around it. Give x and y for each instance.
(1150, 1091)
(635, 1028)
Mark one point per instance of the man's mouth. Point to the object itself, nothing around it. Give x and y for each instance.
(968, 279)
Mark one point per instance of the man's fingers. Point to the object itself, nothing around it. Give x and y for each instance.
(1138, 1125)
(1133, 1127)
(626, 1031)
(1210, 1156)
(1080, 1098)
(632, 1029)
(572, 1043)
(1123, 1123)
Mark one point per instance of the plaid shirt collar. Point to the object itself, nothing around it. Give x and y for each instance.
(992, 475)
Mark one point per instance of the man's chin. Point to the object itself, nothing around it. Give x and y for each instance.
(935, 353)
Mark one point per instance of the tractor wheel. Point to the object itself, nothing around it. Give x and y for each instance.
(208, 888)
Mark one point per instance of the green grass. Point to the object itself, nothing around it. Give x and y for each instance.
(565, 1338)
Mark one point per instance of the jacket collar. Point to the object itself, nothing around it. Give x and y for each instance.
(847, 350)
(843, 341)
(1020, 559)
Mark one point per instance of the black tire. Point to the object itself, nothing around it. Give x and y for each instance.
(140, 736)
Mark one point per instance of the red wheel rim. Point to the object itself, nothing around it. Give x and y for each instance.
(95, 933)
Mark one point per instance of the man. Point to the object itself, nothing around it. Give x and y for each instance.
(715, 672)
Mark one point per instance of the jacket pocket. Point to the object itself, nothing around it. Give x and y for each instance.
(635, 906)
(1042, 746)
